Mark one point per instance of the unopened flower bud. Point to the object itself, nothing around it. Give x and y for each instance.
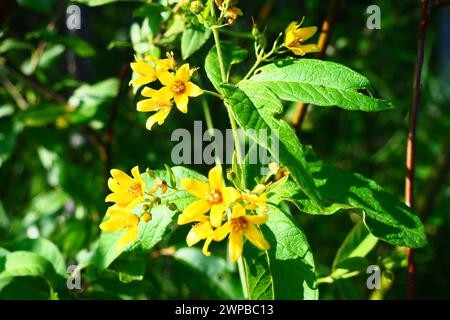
(149, 173)
(145, 207)
(231, 175)
(196, 7)
(172, 206)
(146, 217)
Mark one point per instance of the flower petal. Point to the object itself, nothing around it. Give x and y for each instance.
(181, 100)
(305, 33)
(205, 247)
(149, 92)
(235, 246)
(116, 211)
(148, 105)
(215, 178)
(113, 225)
(194, 212)
(192, 90)
(230, 195)
(165, 77)
(113, 185)
(135, 173)
(141, 80)
(183, 73)
(133, 203)
(198, 232)
(257, 219)
(129, 236)
(122, 198)
(220, 233)
(255, 236)
(238, 211)
(143, 68)
(121, 177)
(216, 214)
(159, 117)
(195, 187)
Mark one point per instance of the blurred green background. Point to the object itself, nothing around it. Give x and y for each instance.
(54, 162)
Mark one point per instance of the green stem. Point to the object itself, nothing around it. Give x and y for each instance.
(210, 125)
(241, 269)
(212, 93)
(219, 54)
(223, 74)
(255, 66)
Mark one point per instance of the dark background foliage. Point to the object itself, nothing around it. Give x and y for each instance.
(54, 164)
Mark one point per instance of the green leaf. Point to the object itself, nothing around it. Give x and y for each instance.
(81, 47)
(386, 217)
(358, 243)
(151, 11)
(24, 263)
(42, 114)
(42, 247)
(213, 272)
(153, 231)
(292, 193)
(24, 288)
(258, 112)
(42, 6)
(89, 97)
(321, 83)
(14, 44)
(192, 40)
(230, 54)
(130, 267)
(289, 259)
(7, 138)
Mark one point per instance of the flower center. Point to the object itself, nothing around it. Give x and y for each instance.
(239, 225)
(214, 196)
(134, 189)
(179, 87)
(296, 41)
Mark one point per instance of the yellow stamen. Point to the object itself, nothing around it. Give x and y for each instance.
(239, 225)
(134, 189)
(214, 196)
(179, 87)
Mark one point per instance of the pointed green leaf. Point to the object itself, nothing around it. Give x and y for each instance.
(256, 109)
(192, 40)
(287, 270)
(321, 83)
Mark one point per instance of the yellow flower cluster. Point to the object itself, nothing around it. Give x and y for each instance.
(176, 85)
(126, 193)
(218, 200)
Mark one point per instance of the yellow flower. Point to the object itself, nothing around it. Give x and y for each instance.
(240, 225)
(252, 201)
(158, 102)
(121, 219)
(295, 36)
(165, 64)
(146, 73)
(213, 196)
(201, 231)
(126, 191)
(177, 86)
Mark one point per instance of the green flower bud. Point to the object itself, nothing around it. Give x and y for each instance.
(196, 7)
